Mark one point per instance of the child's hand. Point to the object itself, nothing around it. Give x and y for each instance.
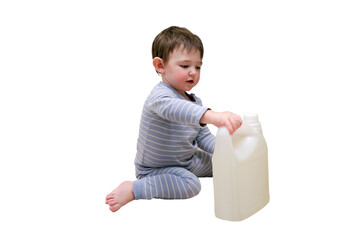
(228, 119)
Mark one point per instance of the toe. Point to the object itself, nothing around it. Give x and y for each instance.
(115, 207)
(109, 196)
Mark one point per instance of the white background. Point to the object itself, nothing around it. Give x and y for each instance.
(74, 76)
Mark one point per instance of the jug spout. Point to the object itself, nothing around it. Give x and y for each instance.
(252, 119)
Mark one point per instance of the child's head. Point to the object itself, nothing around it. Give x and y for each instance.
(173, 38)
(177, 56)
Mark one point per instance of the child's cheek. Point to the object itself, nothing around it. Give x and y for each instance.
(197, 77)
(181, 78)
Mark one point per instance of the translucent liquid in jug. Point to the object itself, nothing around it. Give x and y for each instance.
(240, 171)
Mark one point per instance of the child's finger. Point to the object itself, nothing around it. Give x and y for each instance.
(230, 128)
(235, 121)
(239, 120)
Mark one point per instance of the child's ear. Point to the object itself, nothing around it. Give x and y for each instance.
(159, 65)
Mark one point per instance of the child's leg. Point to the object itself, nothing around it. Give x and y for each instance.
(167, 183)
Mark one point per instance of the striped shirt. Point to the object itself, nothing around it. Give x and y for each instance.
(170, 130)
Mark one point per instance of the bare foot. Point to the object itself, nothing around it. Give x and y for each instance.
(121, 195)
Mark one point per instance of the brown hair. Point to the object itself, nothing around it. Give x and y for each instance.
(173, 37)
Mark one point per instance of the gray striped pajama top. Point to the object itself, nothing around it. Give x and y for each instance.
(170, 130)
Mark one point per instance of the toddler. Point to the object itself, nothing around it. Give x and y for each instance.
(174, 146)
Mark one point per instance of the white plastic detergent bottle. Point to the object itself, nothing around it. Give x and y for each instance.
(240, 171)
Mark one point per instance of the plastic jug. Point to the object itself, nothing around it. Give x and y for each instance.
(240, 171)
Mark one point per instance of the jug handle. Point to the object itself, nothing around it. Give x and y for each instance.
(224, 136)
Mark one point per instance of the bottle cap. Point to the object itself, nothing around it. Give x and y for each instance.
(251, 118)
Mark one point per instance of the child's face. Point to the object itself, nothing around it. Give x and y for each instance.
(182, 70)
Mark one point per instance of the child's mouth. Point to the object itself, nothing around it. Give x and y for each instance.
(190, 81)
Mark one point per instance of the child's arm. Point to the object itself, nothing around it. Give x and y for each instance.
(228, 119)
(177, 110)
(206, 140)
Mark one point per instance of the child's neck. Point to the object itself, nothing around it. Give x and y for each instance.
(182, 93)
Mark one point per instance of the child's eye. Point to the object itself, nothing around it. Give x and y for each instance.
(184, 66)
(198, 68)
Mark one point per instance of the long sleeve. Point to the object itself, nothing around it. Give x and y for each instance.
(206, 140)
(177, 110)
